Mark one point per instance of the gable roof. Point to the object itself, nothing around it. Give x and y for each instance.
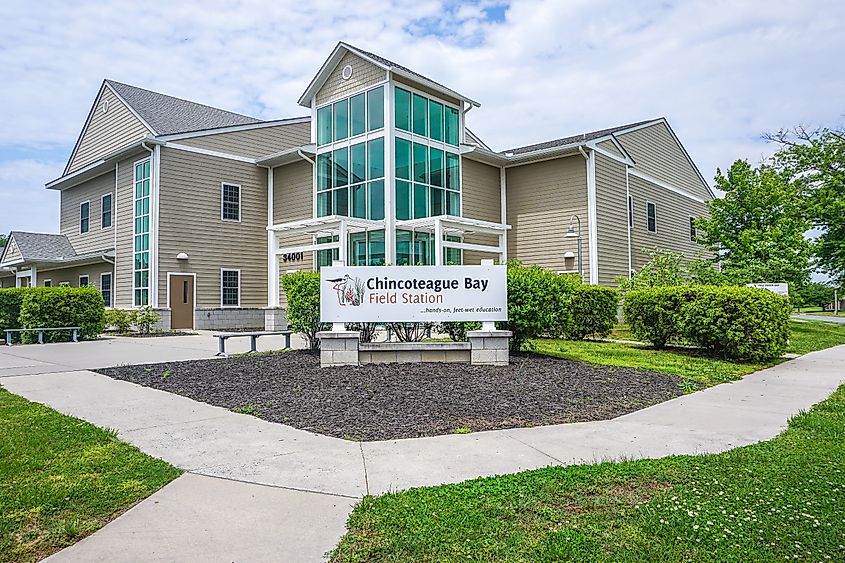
(342, 48)
(583, 137)
(167, 115)
(42, 246)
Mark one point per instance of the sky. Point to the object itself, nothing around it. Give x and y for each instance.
(721, 72)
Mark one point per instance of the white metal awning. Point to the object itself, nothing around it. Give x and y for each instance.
(329, 225)
(451, 224)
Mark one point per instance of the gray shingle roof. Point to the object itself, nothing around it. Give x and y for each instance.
(169, 115)
(576, 138)
(42, 246)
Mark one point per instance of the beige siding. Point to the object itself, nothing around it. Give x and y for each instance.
(71, 275)
(657, 154)
(611, 219)
(105, 132)
(541, 199)
(189, 210)
(7, 281)
(254, 143)
(92, 191)
(123, 225)
(480, 199)
(673, 213)
(293, 197)
(364, 74)
(610, 147)
(12, 253)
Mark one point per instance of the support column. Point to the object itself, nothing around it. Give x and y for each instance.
(438, 242)
(33, 277)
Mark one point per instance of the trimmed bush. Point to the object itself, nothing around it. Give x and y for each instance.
(63, 306)
(302, 290)
(737, 322)
(10, 308)
(144, 319)
(593, 310)
(120, 319)
(734, 322)
(538, 303)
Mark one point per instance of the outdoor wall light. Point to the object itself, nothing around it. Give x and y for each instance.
(182, 256)
(569, 254)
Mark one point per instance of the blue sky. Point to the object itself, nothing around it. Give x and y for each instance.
(721, 72)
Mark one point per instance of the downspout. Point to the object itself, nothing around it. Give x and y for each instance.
(592, 227)
(503, 194)
(302, 155)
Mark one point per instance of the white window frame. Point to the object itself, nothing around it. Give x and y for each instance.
(693, 232)
(88, 230)
(238, 270)
(87, 277)
(111, 210)
(647, 203)
(111, 288)
(135, 233)
(48, 281)
(240, 200)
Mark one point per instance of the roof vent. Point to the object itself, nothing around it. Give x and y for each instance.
(346, 73)
(105, 106)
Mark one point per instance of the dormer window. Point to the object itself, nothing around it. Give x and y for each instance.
(351, 117)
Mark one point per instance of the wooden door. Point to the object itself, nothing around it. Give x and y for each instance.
(181, 301)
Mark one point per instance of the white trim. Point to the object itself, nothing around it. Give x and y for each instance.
(238, 270)
(665, 185)
(48, 280)
(111, 288)
(111, 211)
(193, 275)
(390, 172)
(154, 216)
(79, 280)
(88, 230)
(240, 199)
(114, 224)
(130, 108)
(629, 220)
(135, 233)
(609, 155)
(592, 225)
(647, 203)
(640, 126)
(503, 207)
(234, 128)
(207, 152)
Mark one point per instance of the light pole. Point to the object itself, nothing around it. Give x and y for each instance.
(571, 233)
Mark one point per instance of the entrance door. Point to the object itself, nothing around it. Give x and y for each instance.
(181, 301)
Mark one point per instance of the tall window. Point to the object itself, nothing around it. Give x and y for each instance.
(426, 117)
(105, 288)
(84, 216)
(630, 211)
(350, 181)
(366, 248)
(141, 230)
(231, 202)
(427, 181)
(106, 211)
(230, 288)
(651, 212)
(417, 248)
(84, 281)
(351, 117)
(692, 228)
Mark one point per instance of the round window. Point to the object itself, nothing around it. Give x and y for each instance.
(347, 72)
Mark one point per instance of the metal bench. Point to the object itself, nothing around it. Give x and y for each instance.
(74, 333)
(253, 339)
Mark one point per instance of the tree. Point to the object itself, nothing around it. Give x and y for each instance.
(3, 240)
(816, 159)
(815, 294)
(757, 230)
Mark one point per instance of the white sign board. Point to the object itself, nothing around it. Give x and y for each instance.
(779, 288)
(413, 293)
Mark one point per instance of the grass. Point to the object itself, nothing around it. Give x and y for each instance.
(62, 478)
(807, 336)
(771, 501)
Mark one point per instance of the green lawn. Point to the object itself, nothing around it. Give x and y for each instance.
(62, 478)
(807, 336)
(772, 501)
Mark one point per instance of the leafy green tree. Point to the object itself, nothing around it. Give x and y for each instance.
(757, 229)
(815, 294)
(816, 159)
(3, 240)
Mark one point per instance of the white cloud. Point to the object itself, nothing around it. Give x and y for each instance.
(721, 72)
(26, 205)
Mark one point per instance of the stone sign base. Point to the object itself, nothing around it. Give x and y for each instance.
(342, 348)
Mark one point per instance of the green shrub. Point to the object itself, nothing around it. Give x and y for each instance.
(10, 308)
(594, 310)
(144, 319)
(654, 314)
(538, 303)
(63, 306)
(741, 323)
(302, 290)
(457, 330)
(119, 318)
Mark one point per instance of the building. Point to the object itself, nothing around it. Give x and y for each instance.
(196, 211)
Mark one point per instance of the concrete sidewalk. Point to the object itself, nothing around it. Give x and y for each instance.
(213, 442)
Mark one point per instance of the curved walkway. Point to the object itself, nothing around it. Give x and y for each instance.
(262, 491)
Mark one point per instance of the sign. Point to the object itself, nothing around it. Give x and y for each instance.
(413, 293)
(779, 288)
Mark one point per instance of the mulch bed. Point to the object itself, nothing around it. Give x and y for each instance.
(379, 402)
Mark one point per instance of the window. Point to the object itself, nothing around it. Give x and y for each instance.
(420, 115)
(434, 181)
(230, 288)
(651, 211)
(105, 288)
(141, 235)
(402, 109)
(350, 117)
(48, 283)
(414, 248)
(357, 114)
(426, 117)
(375, 108)
(84, 216)
(350, 181)
(366, 249)
(630, 211)
(692, 228)
(83, 281)
(326, 257)
(231, 202)
(106, 211)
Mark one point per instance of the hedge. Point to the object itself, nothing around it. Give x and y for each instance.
(302, 290)
(10, 307)
(593, 311)
(734, 322)
(61, 306)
